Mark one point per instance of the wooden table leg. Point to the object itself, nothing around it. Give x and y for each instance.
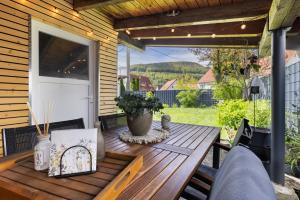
(216, 154)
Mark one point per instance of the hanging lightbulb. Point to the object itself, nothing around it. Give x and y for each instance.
(154, 38)
(213, 35)
(172, 30)
(189, 35)
(243, 26)
(127, 31)
(76, 14)
(56, 10)
(90, 33)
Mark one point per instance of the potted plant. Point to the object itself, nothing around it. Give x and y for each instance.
(293, 153)
(139, 111)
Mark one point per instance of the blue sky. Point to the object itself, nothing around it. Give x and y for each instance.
(156, 54)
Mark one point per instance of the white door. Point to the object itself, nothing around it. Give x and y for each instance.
(62, 74)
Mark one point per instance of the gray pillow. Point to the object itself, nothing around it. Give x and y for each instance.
(242, 177)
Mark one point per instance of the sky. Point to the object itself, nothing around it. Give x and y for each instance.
(156, 54)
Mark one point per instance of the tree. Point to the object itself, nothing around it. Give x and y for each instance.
(122, 87)
(230, 64)
(185, 82)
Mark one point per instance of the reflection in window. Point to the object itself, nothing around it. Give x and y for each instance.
(62, 58)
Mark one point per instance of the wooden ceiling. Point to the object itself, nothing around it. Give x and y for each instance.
(136, 8)
(200, 23)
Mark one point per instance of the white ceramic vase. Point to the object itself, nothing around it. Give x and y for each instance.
(42, 153)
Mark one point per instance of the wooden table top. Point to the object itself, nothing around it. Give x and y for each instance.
(167, 167)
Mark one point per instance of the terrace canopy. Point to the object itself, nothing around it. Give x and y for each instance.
(215, 24)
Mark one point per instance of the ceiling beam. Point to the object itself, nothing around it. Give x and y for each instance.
(233, 29)
(282, 13)
(237, 12)
(205, 43)
(126, 40)
(88, 4)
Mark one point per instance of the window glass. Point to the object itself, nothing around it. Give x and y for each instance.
(62, 58)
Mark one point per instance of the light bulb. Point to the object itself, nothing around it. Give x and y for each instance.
(243, 26)
(90, 33)
(189, 35)
(172, 30)
(128, 31)
(213, 35)
(76, 14)
(154, 38)
(139, 38)
(56, 10)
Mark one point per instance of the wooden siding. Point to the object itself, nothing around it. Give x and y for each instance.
(15, 18)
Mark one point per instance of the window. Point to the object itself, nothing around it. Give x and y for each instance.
(62, 58)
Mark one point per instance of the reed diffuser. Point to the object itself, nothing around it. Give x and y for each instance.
(42, 148)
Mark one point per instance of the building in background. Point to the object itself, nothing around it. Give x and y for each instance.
(207, 80)
(144, 82)
(169, 85)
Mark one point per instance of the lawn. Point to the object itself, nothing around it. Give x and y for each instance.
(199, 116)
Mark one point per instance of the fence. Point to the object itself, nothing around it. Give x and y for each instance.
(169, 97)
(292, 95)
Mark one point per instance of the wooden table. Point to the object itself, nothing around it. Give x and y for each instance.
(169, 165)
(167, 168)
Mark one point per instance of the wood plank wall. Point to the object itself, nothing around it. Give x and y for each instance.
(15, 18)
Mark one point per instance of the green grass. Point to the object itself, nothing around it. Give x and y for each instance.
(198, 116)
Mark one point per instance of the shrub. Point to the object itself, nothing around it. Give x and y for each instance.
(166, 105)
(231, 112)
(262, 113)
(188, 98)
(232, 89)
(174, 105)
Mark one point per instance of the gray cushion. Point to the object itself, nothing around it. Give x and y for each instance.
(242, 177)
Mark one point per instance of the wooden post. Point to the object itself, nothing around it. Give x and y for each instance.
(128, 68)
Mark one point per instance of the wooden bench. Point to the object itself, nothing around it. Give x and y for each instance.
(241, 176)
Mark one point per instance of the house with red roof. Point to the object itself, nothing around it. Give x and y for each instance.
(207, 80)
(144, 82)
(169, 85)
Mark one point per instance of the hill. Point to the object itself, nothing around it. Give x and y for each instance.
(161, 72)
(172, 67)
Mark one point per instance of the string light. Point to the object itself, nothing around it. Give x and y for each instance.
(189, 35)
(76, 14)
(213, 35)
(56, 10)
(172, 30)
(90, 33)
(128, 31)
(154, 38)
(243, 26)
